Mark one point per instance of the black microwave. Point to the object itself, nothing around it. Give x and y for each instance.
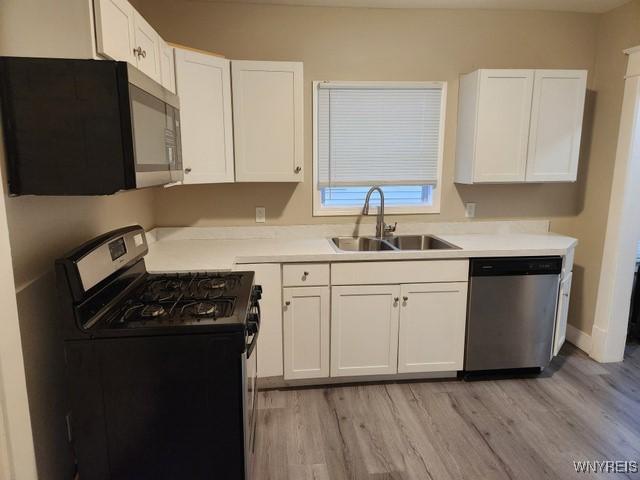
(86, 127)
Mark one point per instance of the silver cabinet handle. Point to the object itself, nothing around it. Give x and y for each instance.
(305, 274)
(297, 169)
(287, 303)
(404, 299)
(139, 52)
(187, 170)
(396, 300)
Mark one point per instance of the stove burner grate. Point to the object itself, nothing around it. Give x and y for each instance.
(152, 310)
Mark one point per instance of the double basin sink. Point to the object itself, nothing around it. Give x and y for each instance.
(393, 243)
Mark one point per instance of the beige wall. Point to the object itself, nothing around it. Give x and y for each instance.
(43, 228)
(373, 44)
(617, 30)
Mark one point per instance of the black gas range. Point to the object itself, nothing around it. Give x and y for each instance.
(161, 367)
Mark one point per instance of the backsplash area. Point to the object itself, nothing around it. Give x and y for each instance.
(330, 230)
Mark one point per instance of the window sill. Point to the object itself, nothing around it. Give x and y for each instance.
(341, 212)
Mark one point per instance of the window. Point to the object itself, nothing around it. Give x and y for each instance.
(385, 134)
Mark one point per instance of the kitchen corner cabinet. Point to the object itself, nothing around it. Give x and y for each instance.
(268, 121)
(123, 34)
(432, 327)
(364, 330)
(115, 33)
(306, 332)
(519, 126)
(204, 87)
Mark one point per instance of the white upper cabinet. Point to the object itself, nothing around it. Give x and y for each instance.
(519, 125)
(167, 67)
(123, 34)
(556, 125)
(493, 126)
(115, 36)
(268, 121)
(204, 88)
(432, 327)
(147, 47)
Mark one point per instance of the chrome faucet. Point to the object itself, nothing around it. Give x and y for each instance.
(382, 229)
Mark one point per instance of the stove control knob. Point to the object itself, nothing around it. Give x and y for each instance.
(257, 292)
(252, 323)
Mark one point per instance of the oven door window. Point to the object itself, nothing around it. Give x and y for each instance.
(149, 118)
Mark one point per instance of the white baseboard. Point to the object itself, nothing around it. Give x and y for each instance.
(579, 338)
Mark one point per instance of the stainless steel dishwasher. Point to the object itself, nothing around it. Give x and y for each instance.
(511, 312)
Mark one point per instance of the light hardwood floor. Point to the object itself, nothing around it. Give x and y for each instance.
(501, 429)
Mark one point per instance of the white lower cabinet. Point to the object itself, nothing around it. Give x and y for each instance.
(306, 332)
(333, 328)
(432, 327)
(364, 330)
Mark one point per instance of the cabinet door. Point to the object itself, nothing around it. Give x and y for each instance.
(269, 348)
(167, 67)
(147, 45)
(502, 133)
(204, 88)
(556, 125)
(432, 327)
(115, 36)
(364, 330)
(562, 313)
(306, 332)
(268, 124)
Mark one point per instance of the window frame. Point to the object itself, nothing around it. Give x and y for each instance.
(319, 210)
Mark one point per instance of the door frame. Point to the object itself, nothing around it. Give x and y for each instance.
(17, 460)
(623, 229)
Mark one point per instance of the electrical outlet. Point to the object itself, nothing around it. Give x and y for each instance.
(469, 209)
(261, 215)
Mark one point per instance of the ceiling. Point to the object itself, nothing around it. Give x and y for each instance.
(587, 6)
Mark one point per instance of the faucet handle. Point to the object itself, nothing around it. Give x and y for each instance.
(390, 228)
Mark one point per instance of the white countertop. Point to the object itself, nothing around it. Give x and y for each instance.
(201, 254)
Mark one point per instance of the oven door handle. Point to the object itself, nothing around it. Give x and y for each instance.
(252, 345)
(255, 320)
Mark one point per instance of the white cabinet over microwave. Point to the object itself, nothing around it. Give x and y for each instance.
(519, 126)
(123, 34)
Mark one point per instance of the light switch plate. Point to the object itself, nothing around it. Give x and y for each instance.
(469, 209)
(261, 215)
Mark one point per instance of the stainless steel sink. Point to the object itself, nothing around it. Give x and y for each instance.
(401, 242)
(420, 242)
(361, 244)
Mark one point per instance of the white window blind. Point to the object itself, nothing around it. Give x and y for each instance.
(378, 135)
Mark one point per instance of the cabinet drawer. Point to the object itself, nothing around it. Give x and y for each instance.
(376, 273)
(299, 275)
